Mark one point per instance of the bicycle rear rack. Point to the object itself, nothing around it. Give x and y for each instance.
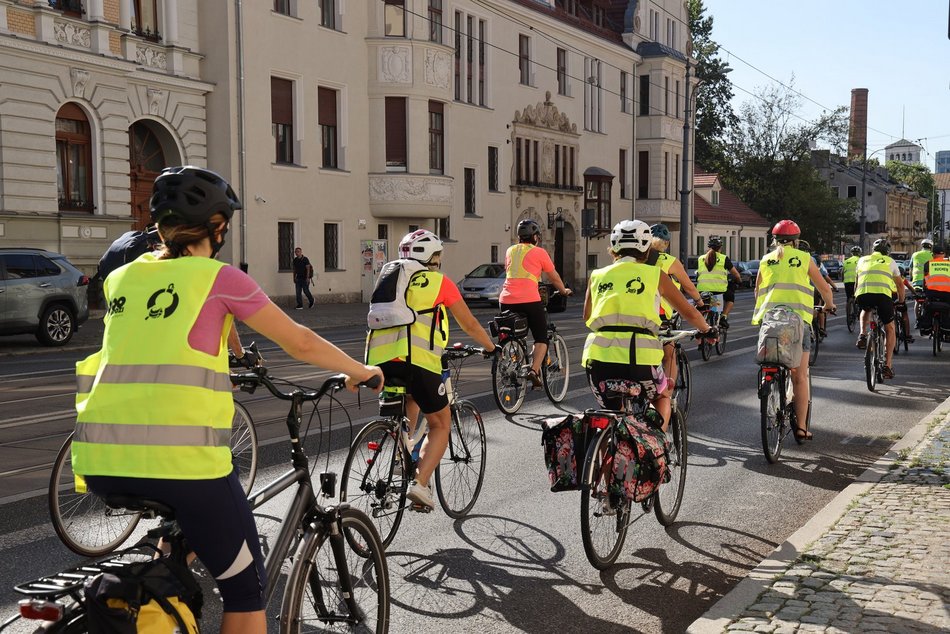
(71, 581)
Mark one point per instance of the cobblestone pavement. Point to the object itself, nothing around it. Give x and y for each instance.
(884, 566)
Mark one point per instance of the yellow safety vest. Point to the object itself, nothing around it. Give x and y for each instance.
(148, 404)
(785, 281)
(516, 255)
(917, 270)
(624, 318)
(874, 276)
(422, 342)
(938, 279)
(850, 269)
(665, 262)
(714, 281)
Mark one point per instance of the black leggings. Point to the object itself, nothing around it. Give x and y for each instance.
(536, 315)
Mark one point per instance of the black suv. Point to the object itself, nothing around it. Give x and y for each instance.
(41, 293)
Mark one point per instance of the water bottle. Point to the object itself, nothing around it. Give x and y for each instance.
(417, 448)
(447, 382)
(789, 390)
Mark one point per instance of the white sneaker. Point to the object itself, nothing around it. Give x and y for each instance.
(421, 495)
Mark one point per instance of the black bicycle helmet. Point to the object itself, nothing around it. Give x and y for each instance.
(939, 249)
(527, 229)
(882, 246)
(188, 195)
(660, 231)
(715, 242)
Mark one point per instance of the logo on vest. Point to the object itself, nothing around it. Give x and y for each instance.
(163, 302)
(603, 288)
(636, 280)
(420, 280)
(794, 262)
(117, 306)
(771, 262)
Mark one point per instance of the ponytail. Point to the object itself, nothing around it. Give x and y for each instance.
(710, 259)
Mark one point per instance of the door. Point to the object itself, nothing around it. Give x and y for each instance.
(146, 161)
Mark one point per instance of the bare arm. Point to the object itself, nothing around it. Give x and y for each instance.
(467, 321)
(587, 303)
(671, 294)
(234, 342)
(558, 283)
(678, 271)
(758, 280)
(901, 293)
(735, 275)
(823, 288)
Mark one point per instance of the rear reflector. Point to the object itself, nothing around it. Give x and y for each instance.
(599, 422)
(40, 610)
(83, 281)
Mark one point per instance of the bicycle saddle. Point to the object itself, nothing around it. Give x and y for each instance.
(139, 505)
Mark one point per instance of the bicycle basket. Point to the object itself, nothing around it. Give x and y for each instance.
(509, 325)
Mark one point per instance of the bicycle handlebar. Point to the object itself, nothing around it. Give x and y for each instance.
(669, 336)
(258, 376)
(821, 309)
(462, 351)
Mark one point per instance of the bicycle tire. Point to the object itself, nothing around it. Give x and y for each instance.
(316, 566)
(721, 341)
(595, 500)
(935, 334)
(667, 505)
(464, 458)
(898, 332)
(683, 385)
(556, 371)
(772, 420)
(705, 350)
(82, 521)
(380, 496)
(815, 342)
(870, 362)
(851, 316)
(244, 446)
(508, 386)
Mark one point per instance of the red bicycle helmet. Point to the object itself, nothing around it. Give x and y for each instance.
(786, 230)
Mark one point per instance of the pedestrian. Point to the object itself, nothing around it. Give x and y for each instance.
(303, 277)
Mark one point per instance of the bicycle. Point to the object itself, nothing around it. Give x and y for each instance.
(510, 368)
(851, 313)
(88, 527)
(875, 354)
(938, 333)
(382, 459)
(683, 384)
(345, 587)
(777, 408)
(713, 313)
(817, 334)
(900, 309)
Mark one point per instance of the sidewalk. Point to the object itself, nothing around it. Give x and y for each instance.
(875, 559)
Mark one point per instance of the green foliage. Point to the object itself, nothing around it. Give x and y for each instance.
(919, 178)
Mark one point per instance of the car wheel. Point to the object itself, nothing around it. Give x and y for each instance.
(57, 325)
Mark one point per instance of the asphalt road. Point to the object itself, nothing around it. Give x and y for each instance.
(517, 563)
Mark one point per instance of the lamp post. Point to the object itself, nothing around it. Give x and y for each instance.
(862, 219)
(685, 189)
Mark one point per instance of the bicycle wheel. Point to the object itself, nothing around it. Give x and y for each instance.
(705, 349)
(935, 334)
(851, 316)
(870, 362)
(669, 497)
(770, 406)
(605, 515)
(556, 371)
(374, 480)
(721, 341)
(815, 341)
(898, 332)
(244, 446)
(315, 600)
(459, 477)
(681, 389)
(82, 520)
(508, 386)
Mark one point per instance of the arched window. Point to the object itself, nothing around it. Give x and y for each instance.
(73, 159)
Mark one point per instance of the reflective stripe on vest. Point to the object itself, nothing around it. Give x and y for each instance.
(624, 295)
(147, 387)
(785, 281)
(874, 276)
(917, 270)
(665, 262)
(714, 281)
(516, 255)
(939, 278)
(850, 270)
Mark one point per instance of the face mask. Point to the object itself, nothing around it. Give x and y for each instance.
(216, 245)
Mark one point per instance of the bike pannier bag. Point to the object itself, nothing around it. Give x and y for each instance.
(564, 439)
(509, 325)
(639, 460)
(780, 338)
(387, 306)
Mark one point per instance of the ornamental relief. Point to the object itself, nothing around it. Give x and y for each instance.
(395, 65)
(79, 77)
(438, 68)
(151, 57)
(410, 188)
(69, 33)
(546, 115)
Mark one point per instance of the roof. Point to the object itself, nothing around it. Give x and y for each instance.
(942, 181)
(655, 49)
(705, 179)
(730, 211)
(611, 31)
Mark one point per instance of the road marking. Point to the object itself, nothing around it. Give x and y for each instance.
(38, 418)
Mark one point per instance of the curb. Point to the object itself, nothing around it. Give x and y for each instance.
(721, 614)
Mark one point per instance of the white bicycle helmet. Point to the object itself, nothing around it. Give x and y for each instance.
(420, 245)
(630, 234)
(926, 243)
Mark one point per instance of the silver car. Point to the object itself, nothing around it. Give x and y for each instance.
(41, 293)
(483, 283)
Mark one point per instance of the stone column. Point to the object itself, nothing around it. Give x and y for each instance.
(125, 14)
(171, 22)
(94, 10)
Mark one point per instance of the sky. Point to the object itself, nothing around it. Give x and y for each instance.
(899, 51)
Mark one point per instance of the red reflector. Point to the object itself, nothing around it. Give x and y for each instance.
(372, 445)
(40, 610)
(768, 377)
(599, 422)
(83, 281)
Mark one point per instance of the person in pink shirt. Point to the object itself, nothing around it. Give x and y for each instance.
(525, 262)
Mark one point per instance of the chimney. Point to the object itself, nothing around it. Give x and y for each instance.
(858, 127)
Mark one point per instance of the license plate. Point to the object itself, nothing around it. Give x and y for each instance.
(470, 295)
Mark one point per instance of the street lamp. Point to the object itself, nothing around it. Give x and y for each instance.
(862, 220)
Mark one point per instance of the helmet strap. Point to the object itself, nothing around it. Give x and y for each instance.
(213, 231)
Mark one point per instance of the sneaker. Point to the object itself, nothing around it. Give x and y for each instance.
(298, 307)
(887, 372)
(311, 305)
(723, 322)
(862, 342)
(909, 338)
(925, 332)
(421, 495)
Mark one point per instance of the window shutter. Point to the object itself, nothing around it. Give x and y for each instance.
(326, 103)
(282, 100)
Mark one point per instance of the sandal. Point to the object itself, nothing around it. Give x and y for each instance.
(887, 372)
(802, 434)
(862, 342)
(534, 378)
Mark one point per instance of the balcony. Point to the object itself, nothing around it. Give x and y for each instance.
(414, 196)
(557, 187)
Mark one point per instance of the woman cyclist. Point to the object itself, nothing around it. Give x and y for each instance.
(621, 307)
(524, 264)
(786, 277)
(154, 404)
(712, 276)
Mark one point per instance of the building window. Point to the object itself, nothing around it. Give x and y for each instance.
(73, 159)
(676, 104)
(654, 25)
(328, 13)
(598, 16)
(761, 247)
(331, 246)
(591, 261)
(524, 59)
(470, 209)
(436, 137)
(562, 71)
(571, 7)
(145, 18)
(743, 248)
(676, 177)
(492, 169)
(494, 253)
(382, 232)
(285, 246)
(644, 95)
(435, 21)
(623, 91)
(327, 113)
(715, 198)
(481, 62)
(643, 175)
(458, 56)
(443, 228)
(592, 95)
(666, 96)
(623, 173)
(282, 118)
(469, 58)
(666, 175)
(597, 197)
(700, 244)
(836, 191)
(69, 7)
(395, 18)
(283, 7)
(852, 191)
(396, 134)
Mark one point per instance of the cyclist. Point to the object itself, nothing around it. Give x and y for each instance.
(849, 272)
(670, 265)
(524, 264)
(713, 273)
(154, 404)
(804, 246)
(879, 279)
(621, 307)
(412, 357)
(936, 284)
(919, 259)
(783, 280)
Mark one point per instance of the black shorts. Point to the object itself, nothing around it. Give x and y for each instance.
(606, 379)
(729, 295)
(216, 518)
(883, 303)
(849, 289)
(535, 314)
(426, 388)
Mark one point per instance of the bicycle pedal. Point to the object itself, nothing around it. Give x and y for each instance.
(420, 508)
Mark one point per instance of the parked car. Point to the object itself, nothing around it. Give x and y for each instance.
(41, 293)
(905, 266)
(746, 277)
(834, 267)
(753, 267)
(692, 263)
(484, 284)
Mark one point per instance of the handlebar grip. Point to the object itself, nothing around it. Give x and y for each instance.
(372, 383)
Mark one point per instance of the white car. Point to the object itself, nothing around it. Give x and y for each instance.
(483, 283)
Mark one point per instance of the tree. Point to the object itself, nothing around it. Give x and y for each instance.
(714, 115)
(919, 178)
